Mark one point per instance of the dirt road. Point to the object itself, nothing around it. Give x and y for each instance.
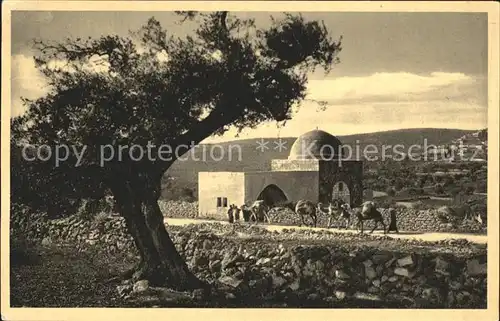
(431, 237)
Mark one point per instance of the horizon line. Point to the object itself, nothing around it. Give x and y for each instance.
(346, 135)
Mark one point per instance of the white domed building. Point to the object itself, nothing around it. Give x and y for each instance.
(316, 169)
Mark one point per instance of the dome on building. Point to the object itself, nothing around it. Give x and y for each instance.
(316, 144)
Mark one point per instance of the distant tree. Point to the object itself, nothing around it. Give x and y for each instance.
(469, 190)
(228, 73)
(398, 185)
(187, 194)
(454, 192)
(448, 181)
(483, 135)
(439, 189)
(481, 187)
(422, 181)
(391, 191)
(460, 198)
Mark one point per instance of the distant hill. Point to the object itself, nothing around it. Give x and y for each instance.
(186, 172)
(407, 137)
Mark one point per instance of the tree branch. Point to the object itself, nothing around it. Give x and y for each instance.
(223, 17)
(202, 130)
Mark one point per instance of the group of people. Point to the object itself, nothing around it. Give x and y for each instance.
(233, 214)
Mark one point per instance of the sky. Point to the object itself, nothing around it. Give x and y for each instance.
(397, 70)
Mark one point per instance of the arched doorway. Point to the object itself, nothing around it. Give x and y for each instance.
(272, 195)
(341, 191)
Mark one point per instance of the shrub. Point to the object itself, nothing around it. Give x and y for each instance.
(391, 191)
(187, 195)
(469, 190)
(23, 219)
(386, 203)
(438, 189)
(22, 252)
(398, 185)
(448, 181)
(454, 192)
(419, 205)
(481, 187)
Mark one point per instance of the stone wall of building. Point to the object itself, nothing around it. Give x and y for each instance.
(350, 172)
(294, 165)
(219, 188)
(295, 185)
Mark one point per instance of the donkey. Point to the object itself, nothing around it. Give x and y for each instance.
(303, 208)
(368, 211)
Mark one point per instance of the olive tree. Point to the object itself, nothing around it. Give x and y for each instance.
(227, 73)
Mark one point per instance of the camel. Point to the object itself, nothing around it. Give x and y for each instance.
(255, 212)
(368, 211)
(303, 208)
(259, 211)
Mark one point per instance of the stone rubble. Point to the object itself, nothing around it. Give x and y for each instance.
(268, 266)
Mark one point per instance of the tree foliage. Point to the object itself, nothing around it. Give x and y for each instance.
(154, 88)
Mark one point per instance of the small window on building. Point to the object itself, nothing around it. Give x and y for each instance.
(224, 201)
(341, 187)
(219, 201)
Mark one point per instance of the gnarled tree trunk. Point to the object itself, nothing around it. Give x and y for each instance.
(161, 264)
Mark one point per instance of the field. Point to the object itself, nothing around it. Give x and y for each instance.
(58, 275)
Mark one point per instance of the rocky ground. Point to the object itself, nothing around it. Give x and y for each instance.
(253, 267)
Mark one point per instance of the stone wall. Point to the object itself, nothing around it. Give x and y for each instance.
(412, 220)
(179, 209)
(279, 269)
(408, 219)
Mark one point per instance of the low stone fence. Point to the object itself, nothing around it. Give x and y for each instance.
(407, 219)
(269, 268)
(179, 209)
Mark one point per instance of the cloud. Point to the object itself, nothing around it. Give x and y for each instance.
(26, 81)
(32, 17)
(399, 87)
(382, 101)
